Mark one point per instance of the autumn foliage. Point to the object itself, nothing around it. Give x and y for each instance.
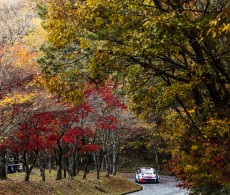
(170, 60)
(68, 133)
(171, 57)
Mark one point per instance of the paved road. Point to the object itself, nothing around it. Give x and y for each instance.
(167, 186)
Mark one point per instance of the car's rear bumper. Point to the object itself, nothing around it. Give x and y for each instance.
(150, 181)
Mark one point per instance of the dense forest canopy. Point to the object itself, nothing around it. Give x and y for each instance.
(168, 58)
(37, 127)
(172, 60)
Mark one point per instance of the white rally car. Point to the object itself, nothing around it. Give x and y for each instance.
(146, 175)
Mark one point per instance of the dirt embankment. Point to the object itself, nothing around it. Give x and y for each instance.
(15, 185)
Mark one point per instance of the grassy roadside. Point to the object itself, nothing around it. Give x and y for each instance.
(113, 185)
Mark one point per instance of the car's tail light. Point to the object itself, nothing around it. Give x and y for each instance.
(142, 180)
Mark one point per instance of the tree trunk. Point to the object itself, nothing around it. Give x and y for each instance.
(74, 165)
(155, 150)
(42, 167)
(95, 161)
(98, 173)
(27, 173)
(156, 157)
(107, 165)
(98, 161)
(42, 172)
(59, 171)
(214, 95)
(50, 162)
(64, 170)
(79, 159)
(114, 160)
(29, 168)
(70, 168)
(86, 166)
(75, 160)
(102, 163)
(59, 167)
(59, 162)
(3, 165)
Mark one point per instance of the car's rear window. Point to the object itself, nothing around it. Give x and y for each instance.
(147, 171)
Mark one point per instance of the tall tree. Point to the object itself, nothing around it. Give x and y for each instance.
(17, 69)
(172, 57)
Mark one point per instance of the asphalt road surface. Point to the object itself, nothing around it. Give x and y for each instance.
(167, 186)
